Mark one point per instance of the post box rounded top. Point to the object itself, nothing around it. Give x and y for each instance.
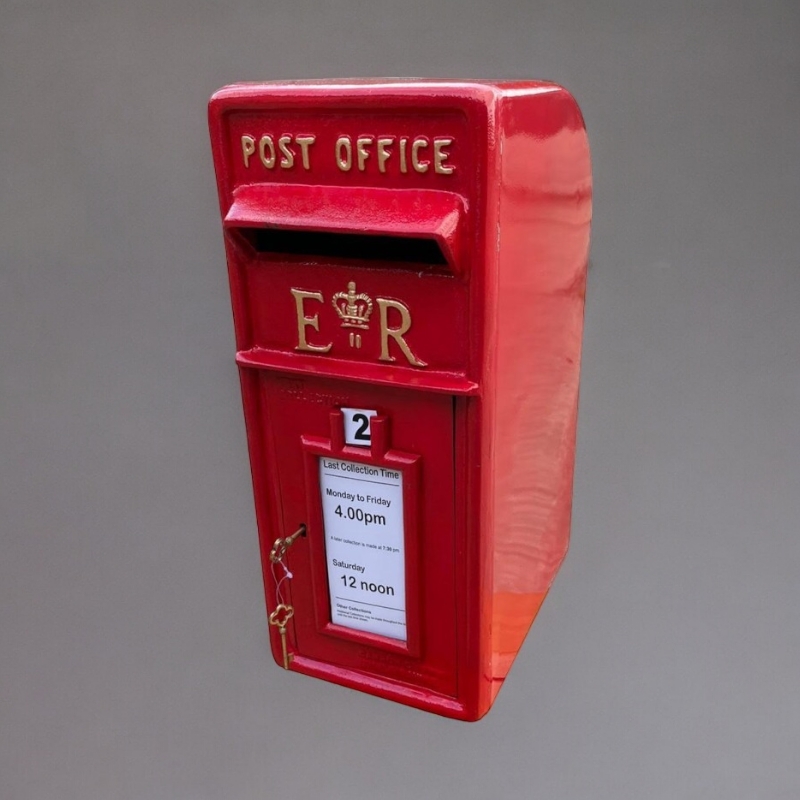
(375, 89)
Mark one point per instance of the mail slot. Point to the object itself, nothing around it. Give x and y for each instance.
(407, 265)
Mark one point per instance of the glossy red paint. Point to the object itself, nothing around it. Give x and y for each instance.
(480, 231)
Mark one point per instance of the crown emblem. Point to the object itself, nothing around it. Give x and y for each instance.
(354, 309)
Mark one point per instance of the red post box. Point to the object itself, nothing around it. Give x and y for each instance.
(407, 265)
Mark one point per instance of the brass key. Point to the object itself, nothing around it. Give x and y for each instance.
(282, 545)
(280, 618)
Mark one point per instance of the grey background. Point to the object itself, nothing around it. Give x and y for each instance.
(133, 645)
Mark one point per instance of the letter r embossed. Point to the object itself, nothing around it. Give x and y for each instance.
(396, 333)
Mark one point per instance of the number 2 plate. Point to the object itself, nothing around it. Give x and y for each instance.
(357, 428)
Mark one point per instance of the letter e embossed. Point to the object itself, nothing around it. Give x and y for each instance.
(303, 322)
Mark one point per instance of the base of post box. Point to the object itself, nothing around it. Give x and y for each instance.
(389, 690)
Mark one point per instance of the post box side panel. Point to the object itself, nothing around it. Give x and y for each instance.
(298, 413)
(545, 212)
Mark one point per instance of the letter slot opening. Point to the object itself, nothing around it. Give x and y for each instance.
(366, 247)
(407, 226)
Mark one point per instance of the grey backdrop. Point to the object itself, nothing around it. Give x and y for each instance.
(133, 644)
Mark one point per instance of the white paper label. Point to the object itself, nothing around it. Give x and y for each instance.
(362, 508)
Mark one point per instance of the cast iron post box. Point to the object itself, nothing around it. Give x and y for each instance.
(407, 265)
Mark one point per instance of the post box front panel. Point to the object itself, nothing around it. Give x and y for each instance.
(374, 579)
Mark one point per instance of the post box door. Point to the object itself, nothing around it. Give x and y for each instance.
(369, 517)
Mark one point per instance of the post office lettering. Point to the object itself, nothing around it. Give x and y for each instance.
(277, 152)
(384, 152)
(366, 153)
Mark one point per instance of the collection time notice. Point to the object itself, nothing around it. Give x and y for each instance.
(362, 509)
